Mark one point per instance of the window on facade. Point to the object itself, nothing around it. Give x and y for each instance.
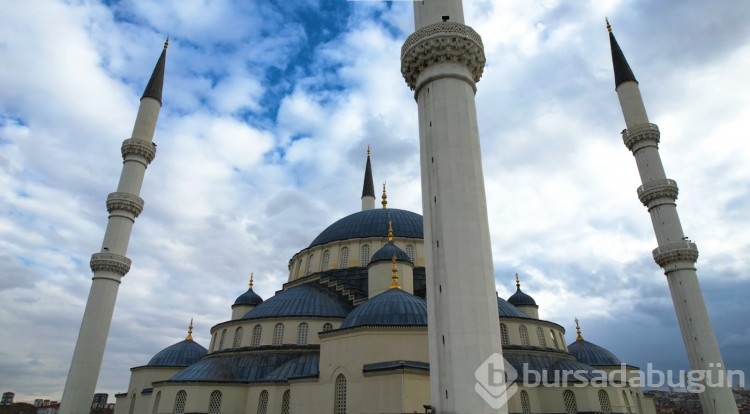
(132, 404)
(340, 395)
(525, 404)
(365, 254)
(308, 266)
(571, 407)
(214, 403)
(410, 253)
(327, 327)
(221, 341)
(179, 402)
(257, 330)
(554, 339)
(285, 403)
(504, 340)
(604, 404)
(302, 334)
(324, 260)
(278, 334)
(263, 402)
(524, 333)
(156, 403)
(344, 258)
(540, 337)
(237, 338)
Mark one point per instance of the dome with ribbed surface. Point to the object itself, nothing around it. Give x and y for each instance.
(249, 298)
(388, 252)
(592, 354)
(303, 300)
(373, 223)
(507, 310)
(394, 307)
(521, 299)
(181, 354)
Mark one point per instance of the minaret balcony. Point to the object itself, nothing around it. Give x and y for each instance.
(110, 262)
(641, 136)
(658, 192)
(126, 202)
(139, 148)
(671, 255)
(438, 43)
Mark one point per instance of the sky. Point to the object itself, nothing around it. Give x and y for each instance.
(268, 109)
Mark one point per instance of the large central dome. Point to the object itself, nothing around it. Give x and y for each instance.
(373, 223)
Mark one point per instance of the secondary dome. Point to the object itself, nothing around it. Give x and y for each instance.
(249, 298)
(303, 300)
(181, 354)
(372, 223)
(519, 298)
(387, 252)
(394, 307)
(507, 310)
(589, 353)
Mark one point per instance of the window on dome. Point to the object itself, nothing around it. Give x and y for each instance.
(214, 403)
(302, 334)
(340, 395)
(540, 337)
(505, 341)
(237, 338)
(285, 403)
(325, 259)
(308, 266)
(179, 402)
(278, 334)
(562, 341)
(344, 258)
(524, 333)
(263, 402)
(221, 341)
(257, 330)
(604, 404)
(132, 404)
(410, 253)
(365, 254)
(554, 339)
(327, 327)
(525, 404)
(571, 407)
(156, 403)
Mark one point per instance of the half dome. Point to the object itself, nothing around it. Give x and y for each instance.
(372, 223)
(181, 354)
(301, 301)
(394, 307)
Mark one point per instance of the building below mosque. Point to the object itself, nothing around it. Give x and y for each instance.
(347, 333)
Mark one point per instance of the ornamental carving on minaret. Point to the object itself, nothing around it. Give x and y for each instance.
(110, 262)
(640, 136)
(438, 43)
(140, 148)
(675, 253)
(125, 201)
(664, 190)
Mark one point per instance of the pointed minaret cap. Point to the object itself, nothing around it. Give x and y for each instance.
(623, 73)
(189, 336)
(578, 331)
(155, 84)
(368, 187)
(394, 275)
(384, 197)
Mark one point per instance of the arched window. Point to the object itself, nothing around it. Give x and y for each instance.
(285, 403)
(554, 339)
(524, 333)
(504, 340)
(327, 327)
(339, 396)
(213, 343)
(263, 402)
(214, 403)
(156, 403)
(221, 341)
(525, 404)
(626, 401)
(604, 404)
(132, 404)
(571, 407)
(562, 341)
(308, 266)
(299, 265)
(410, 253)
(257, 330)
(302, 334)
(278, 334)
(344, 258)
(638, 401)
(365, 254)
(325, 259)
(540, 337)
(179, 402)
(237, 338)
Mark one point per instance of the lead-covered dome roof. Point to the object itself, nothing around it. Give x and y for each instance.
(372, 223)
(249, 298)
(301, 301)
(521, 299)
(592, 354)
(394, 307)
(181, 354)
(507, 310)
(388, 252)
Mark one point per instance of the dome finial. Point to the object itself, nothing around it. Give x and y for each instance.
(390, 231)
(384, 197)
(251, 280)
(609, 26)
(189, 336)
(518, 282)
(578, 331)
(394, 275)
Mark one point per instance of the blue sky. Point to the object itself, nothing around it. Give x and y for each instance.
(268, 110)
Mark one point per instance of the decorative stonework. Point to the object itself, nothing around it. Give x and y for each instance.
(125, 201)
(110, 262)
(139, 147)
(658, 189)
(641, 136)
(684, 251)
(442, 42)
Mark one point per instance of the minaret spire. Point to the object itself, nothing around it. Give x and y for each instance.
(110, 265)
(676, 254)
(368, 187)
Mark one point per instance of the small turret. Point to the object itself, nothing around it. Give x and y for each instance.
(524, 302)
(389, 261)
(246, 302)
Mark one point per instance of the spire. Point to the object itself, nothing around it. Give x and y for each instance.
(623, 73)
(518, 282)
(368, 187)
(384, 197)
(390, 231)
(251, 280)
(154, 87)
(394, 275)
(189, 336)
(578, 330)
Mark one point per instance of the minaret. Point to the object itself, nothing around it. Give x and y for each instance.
(110, 264)
(368, 187)
(441, 62)
(676, 254)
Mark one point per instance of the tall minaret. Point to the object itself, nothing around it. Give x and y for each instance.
(442, 61)
(110, 264)
(676, 254)
(368, 187)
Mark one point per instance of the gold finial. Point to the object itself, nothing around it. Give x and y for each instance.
(390, 231)
(518, 282)
(578, 330)
(394, 275)
(384, 197)
(166, 43)
(189, 336)
(368, 150)
(251, 280)
(609, 26)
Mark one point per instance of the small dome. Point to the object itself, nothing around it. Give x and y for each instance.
(181, 354)
(506, 310)
(521, 299)
(592, 354)
(387, 252)
(301, 301)
(249, 298)
(394, 307)
(372, 223)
